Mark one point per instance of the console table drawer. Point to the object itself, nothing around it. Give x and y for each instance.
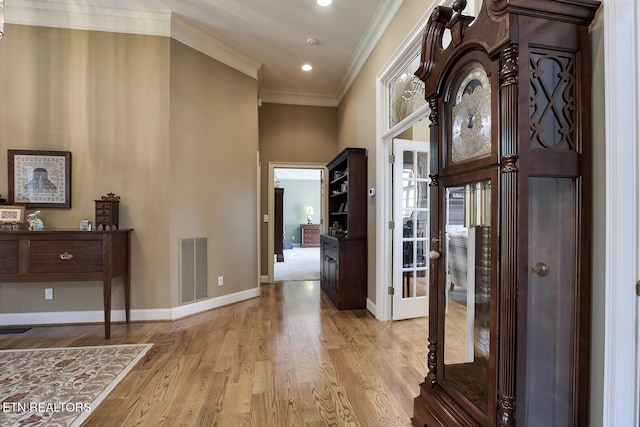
(68, 256)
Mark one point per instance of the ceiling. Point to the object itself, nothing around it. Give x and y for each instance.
(268, 38)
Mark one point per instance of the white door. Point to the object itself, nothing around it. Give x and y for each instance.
(411, 229)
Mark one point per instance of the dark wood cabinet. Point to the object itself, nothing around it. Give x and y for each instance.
(309, 235)
(510, 196)
(343, 250)
(61, 255)
(343, 271)
(278, 224)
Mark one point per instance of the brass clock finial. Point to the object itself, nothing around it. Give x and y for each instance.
(459, 5)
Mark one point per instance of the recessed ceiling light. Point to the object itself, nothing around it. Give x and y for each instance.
(307, 67)
(324, 2)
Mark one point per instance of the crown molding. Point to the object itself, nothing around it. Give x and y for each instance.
(201, 39)
(85, 17)
(378, 25)
(50, 13)
(46, 13)
(296, 97)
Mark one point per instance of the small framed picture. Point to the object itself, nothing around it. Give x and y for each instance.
(11, 214)
(85, 225)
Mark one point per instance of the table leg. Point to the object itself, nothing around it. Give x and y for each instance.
(127, 279)
(127, 294)
(106, 284)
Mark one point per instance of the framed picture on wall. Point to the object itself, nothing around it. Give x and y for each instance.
(40, 179)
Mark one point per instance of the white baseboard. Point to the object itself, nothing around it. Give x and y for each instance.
(264, 279)
(97, 316)
(371, 306)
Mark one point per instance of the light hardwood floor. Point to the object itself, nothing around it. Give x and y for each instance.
(286, 358)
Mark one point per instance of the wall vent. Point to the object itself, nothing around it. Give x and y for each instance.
(193, 269)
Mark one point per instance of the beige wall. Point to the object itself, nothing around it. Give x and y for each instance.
(213, 158)
(149, 120)
(292, 134)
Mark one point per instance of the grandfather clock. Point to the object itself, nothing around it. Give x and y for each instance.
(509, 92)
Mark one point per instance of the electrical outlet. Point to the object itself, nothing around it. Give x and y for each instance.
(48, 293)
(220, 281)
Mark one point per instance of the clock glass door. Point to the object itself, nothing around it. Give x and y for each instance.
(467, 289)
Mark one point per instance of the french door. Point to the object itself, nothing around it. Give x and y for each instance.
(411, 229)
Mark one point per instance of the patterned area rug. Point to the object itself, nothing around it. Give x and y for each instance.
(60, 386)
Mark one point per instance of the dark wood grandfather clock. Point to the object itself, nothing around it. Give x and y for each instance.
(510, 202)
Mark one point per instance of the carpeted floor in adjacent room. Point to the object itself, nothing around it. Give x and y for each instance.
(299, 264)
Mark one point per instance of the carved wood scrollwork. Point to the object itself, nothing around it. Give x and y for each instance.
(509, 163)
(552, 99)
(509, 69)
(432, 40)
(431, 362)
(506, 408)
(433, 115)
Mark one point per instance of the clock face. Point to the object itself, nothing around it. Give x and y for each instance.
(471, 116)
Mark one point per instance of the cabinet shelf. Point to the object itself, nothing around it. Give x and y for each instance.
(339, 179)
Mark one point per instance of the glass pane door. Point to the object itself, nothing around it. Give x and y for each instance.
(411, 231)
(468, 254)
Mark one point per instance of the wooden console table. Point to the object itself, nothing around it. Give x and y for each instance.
(69, 255)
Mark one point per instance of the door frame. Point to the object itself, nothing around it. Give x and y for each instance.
(270, 203)
(384, 141)
(621, 388)
(384, 135)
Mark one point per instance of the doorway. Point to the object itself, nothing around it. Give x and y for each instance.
(411, 229)
(299, 221)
